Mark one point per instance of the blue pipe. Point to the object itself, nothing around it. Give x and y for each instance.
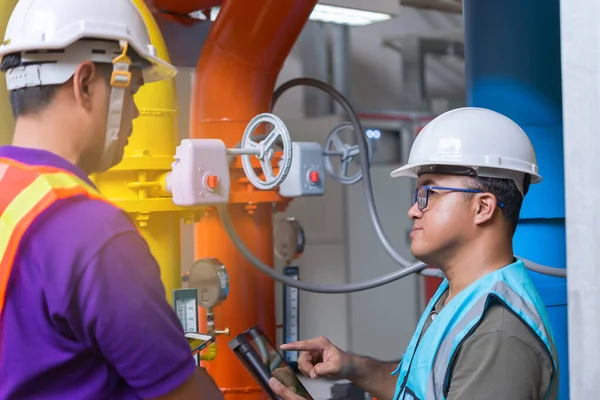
(513, 66)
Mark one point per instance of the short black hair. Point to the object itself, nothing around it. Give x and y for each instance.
(507, 193)
(32, 100)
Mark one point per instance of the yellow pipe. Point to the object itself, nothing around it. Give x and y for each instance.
(136, 184)
(7, 122)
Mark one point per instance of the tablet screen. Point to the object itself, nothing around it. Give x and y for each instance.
(273, 360)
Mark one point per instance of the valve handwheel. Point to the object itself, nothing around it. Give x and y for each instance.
(264, 151)
(334, 146)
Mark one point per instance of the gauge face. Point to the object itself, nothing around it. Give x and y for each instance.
(186, 306)
(289, 239)
(186, 312)
(209, 277)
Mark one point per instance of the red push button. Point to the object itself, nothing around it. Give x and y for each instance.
(313, 176)
(212, 181)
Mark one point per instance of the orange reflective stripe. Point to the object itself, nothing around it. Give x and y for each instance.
(13, 182)
(25, 192)
(31, 168)
(3, 168)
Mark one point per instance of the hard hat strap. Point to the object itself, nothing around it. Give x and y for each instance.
(120, 81)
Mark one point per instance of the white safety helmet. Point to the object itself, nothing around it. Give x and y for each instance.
(472, 140)
(54, 36)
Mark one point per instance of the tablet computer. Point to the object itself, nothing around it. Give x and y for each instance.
(264, 361)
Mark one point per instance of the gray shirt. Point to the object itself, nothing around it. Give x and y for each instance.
(500, 359)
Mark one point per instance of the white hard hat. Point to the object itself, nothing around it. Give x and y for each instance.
(54, 36)
(483, 141)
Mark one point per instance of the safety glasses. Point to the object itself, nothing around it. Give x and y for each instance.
(421, 195)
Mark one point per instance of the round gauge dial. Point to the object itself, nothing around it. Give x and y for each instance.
(209, 277)
(289, 239)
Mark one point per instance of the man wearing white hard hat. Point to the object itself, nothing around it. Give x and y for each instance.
(485, 334)
(83, 312)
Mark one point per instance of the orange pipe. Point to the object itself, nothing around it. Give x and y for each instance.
(235, 78)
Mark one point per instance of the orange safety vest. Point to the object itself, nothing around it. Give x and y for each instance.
(25, 192)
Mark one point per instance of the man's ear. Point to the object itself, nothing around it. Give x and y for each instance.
(485, 205)
(84, 83)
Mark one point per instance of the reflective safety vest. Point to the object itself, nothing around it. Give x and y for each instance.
(424, 372)
(25, 192)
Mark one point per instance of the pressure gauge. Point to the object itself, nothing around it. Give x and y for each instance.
(289, 239)
(210, 278)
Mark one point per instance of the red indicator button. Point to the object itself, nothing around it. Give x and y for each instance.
(313, 176)
(212, 181)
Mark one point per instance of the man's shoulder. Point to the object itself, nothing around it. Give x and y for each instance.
(502, 349)
(83, 219)
(74, 229)
(499, 321)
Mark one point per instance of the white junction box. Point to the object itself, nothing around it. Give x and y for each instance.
(200, 173)
(307, 173)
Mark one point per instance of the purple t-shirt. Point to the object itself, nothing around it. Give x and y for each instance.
(86, 316)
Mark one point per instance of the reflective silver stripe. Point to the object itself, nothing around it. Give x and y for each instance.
(435, 383)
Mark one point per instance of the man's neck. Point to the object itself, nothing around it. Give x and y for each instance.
(464, 269)
(32, 133)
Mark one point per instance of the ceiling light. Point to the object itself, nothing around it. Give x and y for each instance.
(334, 15)
(346, 16)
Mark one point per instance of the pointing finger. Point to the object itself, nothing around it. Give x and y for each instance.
(306, 345)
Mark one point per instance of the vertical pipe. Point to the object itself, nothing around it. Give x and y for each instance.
(234, 81)
(134, 183)
(315, 55)
(7, 122)
(341, 57)
(513, 66)
(156, 141)
(581, 104)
